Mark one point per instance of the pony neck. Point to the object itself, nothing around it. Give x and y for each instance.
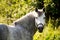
(28, 23)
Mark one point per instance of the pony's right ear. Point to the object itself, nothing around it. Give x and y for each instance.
(36, 10)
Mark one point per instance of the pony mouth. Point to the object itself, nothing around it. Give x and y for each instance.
(40, 28)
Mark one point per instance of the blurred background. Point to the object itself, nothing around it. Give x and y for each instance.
(11, 10)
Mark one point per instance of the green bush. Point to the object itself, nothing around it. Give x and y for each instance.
(14, 9)
(11, 10)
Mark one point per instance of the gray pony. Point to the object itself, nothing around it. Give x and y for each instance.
(25, 27)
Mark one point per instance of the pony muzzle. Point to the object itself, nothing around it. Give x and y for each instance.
(40, 27)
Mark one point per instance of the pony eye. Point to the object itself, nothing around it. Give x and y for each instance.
(36, 17)
(44, 17)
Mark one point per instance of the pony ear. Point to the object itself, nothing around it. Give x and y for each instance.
(36, 10)
(43, 9)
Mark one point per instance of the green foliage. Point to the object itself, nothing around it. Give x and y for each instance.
(11, 10)
(52, 8)
(40, 4)
(14, 9)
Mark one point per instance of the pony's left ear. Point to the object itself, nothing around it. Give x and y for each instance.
(43, 9)
(36, 9)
